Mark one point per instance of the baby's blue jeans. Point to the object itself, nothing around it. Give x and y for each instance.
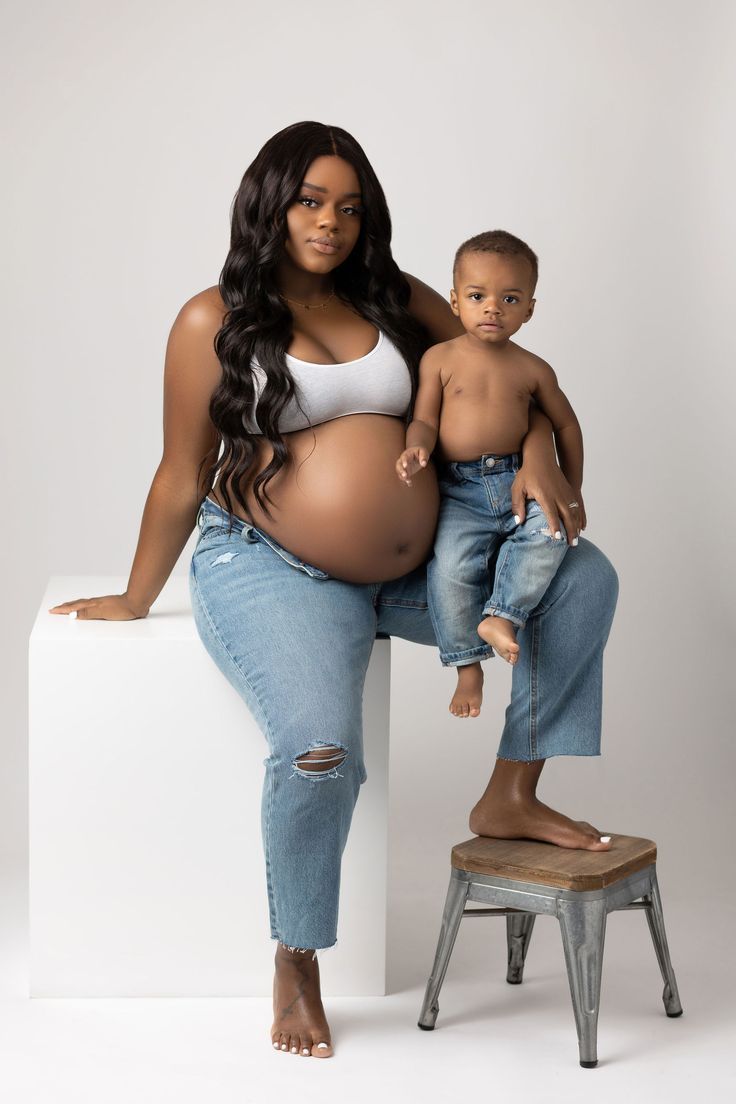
(476, 532)
(295, 643)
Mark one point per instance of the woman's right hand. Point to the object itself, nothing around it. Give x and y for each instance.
(108, 607)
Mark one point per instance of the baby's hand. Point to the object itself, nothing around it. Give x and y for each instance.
(410, 462)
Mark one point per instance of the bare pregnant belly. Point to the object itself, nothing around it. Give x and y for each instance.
(339, 504)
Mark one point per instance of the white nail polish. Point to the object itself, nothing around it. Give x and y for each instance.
(283, 1046)
(306, 1050)
(517, 519)
(605, 839)
(558, 535)
(323, 1045)
(295, 1050)
(73, 613)
(574, 542)
(275, 1046)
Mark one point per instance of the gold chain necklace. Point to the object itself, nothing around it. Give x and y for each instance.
(310, 306)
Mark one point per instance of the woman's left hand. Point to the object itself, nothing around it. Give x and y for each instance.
(548, 486)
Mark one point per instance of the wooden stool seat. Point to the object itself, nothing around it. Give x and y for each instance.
(545, 863)
(526, 878)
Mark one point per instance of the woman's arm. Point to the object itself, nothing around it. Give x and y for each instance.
(191, 373)
(432, 310)
(539, 477)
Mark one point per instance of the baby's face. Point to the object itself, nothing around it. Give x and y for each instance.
(492, 296)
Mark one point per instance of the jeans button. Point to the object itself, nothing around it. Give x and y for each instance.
(490, 462)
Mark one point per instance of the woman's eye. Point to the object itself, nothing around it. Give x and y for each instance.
(354, 210)
(307, 199)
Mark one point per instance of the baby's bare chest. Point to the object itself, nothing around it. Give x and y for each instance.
(507, 389)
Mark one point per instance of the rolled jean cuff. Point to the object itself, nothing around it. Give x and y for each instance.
(468, 655)
(519, 617)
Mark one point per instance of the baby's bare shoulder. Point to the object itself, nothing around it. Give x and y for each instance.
(533, 365)
(442, 350)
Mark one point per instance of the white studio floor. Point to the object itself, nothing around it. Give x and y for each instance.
(490, 1037)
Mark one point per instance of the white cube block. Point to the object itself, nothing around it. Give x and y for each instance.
(147, 875)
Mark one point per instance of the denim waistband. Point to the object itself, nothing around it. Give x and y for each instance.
(251, 533)
(489, 463)
(208, 507)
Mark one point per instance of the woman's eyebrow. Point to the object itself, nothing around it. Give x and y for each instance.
(316, 188)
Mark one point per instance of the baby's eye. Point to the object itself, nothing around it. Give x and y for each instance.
(512, 298)
(475, 295)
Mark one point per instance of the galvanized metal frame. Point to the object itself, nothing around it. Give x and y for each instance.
(582, 918)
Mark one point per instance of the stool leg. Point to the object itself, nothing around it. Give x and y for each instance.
(583, 928)
(518, 933)
(457, 894)
(655, 918)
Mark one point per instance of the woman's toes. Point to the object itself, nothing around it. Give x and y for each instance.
(305, 1050)
(284, 1042)
(322, 1050)
(295, 1044)
(276, 1039)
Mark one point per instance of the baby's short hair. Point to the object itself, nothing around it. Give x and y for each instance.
(497, 241)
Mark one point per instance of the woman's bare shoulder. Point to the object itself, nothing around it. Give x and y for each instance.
(428, 306)
(204, 311)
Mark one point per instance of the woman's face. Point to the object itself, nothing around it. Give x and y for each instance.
(324, 220)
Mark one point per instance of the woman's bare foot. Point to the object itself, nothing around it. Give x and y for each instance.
(501, 635)
(299, 1021)
(509, 809)
(469, 691)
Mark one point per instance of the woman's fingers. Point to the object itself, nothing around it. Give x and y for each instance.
(70, 607)
(572, 522)
(108, 607)
(553, 518)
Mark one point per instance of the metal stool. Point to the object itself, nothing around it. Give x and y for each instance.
(523, 878)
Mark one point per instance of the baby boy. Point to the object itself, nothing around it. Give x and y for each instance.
(473, 404)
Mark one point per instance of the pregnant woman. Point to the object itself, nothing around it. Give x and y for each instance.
(292, 382)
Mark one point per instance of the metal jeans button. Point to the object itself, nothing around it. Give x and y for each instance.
(490, 462)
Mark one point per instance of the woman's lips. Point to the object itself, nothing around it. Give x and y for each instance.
(323, 247)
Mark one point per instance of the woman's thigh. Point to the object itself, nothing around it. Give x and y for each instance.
(296, 648)
(578, 603)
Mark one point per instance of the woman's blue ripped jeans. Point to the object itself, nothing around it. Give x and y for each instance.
(296, 642)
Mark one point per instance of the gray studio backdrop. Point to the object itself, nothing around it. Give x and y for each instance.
(600, 133)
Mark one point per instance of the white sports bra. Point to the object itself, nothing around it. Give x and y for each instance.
(377, 383)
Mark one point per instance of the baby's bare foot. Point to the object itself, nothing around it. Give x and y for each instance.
(299, 1022)
(501, 635)
(469, 692)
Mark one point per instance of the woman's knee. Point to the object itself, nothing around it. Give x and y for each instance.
(601, 575)
(321, 760)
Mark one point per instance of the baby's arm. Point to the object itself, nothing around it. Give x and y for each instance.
(421, 433)
(568, 435)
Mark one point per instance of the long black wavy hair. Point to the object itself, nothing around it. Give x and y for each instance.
(259, 324)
